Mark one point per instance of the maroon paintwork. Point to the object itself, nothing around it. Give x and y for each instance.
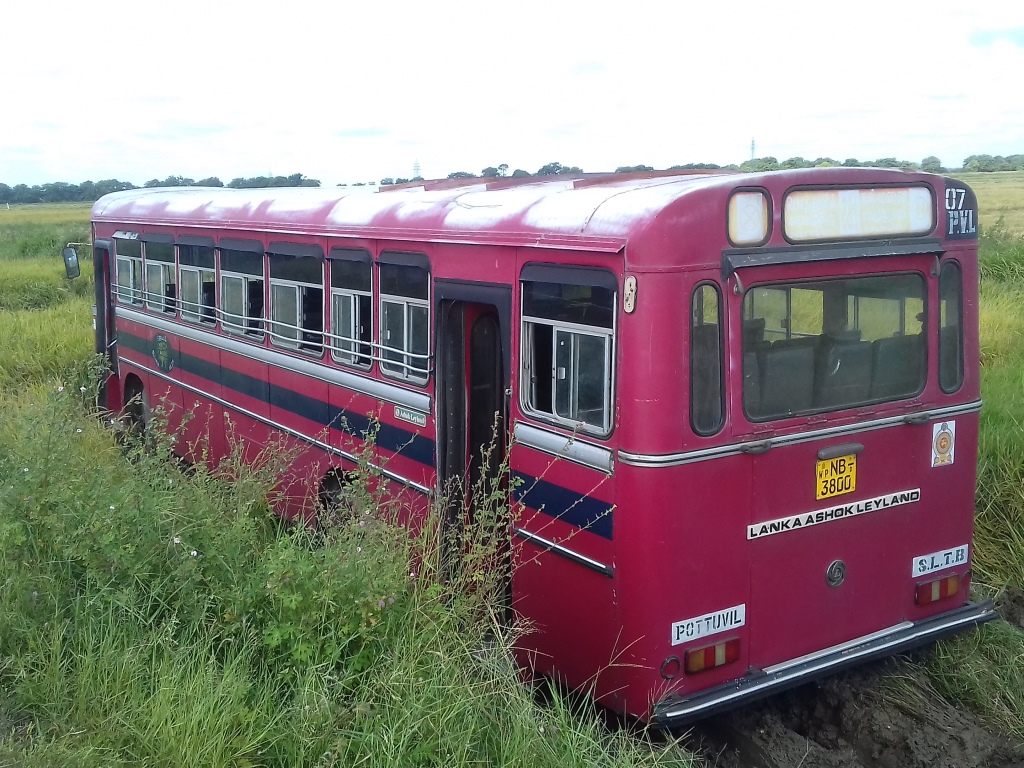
(679, 547)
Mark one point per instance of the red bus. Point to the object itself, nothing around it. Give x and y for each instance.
(743, 407)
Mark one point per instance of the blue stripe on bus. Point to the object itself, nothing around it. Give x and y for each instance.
(411, 445)
(563, 504)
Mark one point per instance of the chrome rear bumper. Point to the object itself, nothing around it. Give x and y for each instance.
(679, 709)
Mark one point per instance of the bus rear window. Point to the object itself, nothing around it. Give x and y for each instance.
(832, 344)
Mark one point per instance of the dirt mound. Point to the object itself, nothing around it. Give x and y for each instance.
(886, 716)
(1011, 606)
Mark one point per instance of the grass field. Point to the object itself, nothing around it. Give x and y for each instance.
(156, 616)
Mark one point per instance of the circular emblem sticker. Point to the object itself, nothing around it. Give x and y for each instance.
(943, 442)
(163, 354)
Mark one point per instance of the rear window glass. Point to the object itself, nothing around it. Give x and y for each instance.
(832, 344)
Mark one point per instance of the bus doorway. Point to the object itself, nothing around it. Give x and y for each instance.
(471, 408)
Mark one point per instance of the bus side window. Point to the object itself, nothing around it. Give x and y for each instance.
(951, 347)
(241, 292)
(296, 302)
(707, 410)
(405, 321)
(568, 334)
(129, 271)
(197, 283)
(161, 287)
(351, 307)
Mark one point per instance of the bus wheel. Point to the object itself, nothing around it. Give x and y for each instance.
(137, 416)
(337, 500)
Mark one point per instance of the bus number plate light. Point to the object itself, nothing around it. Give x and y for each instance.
(710, 656)
(834, 477)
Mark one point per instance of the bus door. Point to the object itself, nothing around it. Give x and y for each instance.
(473, 359)
(831, 415)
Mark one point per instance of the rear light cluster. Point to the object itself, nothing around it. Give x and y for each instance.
(940, 589)
(710, 656)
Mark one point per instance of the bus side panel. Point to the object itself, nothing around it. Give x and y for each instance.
(680, 555)
(568, 606)
(202, 434)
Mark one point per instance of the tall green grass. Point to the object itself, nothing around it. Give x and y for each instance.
(159, 615)
(983, 668)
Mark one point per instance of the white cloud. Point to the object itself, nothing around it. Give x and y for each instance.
(346, 92)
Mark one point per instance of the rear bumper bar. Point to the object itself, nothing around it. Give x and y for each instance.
(677, 710)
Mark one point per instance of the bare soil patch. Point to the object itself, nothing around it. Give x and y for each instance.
(884, 716)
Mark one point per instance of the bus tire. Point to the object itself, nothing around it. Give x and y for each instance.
(336, 504)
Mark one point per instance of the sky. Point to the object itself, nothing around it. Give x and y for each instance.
(351, 92)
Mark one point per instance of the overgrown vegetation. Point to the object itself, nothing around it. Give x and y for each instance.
(154, 614)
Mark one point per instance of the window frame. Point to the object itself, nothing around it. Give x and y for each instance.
(406, 369)
(788, 284)
(160, 301)
(251, 327)
(717, 427)
(132, 291)
(361, 354)
(950, 265)
(205, 314)
(528, 389)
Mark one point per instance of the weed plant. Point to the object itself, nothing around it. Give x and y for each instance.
(154, 614)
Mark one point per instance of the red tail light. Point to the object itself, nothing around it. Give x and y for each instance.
(710, 656)
(940, 589)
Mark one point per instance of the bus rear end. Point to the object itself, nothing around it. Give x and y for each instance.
(822, 513)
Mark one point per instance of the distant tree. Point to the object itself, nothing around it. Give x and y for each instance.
(851, 162)
(490, 172)
(760, 164)
(210, 181)
(887, 162)
(5, 193)
(558, 168)
(824, 162)
(518, 173)
(695, 167)
(401, 181)
(550, 169)
(503, 169)
(633, 168)
(359, 184)
(794, 162)
(461, 175)
(416, 178)
(386, 181)
(151, 183)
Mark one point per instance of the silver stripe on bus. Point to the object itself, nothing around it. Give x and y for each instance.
(563, 447)
(366, 386)
(766, 443)
(569, 554)
(293, 432)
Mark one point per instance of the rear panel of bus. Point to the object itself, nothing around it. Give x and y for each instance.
(824, 493)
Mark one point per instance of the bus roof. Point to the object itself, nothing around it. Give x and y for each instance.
(592, 211)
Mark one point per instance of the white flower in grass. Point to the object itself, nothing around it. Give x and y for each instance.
(195, 553)
(177, 540)
(78, 431)
(82, 390)
(25, 469)
(111, 507)
(60, 389)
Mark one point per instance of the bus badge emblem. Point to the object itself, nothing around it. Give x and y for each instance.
(943, 437)
(836, 573)
(162, 353)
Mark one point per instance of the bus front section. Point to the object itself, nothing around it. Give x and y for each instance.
(828, 520)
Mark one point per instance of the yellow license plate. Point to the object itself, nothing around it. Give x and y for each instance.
(836, 477)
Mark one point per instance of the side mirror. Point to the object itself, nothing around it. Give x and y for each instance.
(71, 266)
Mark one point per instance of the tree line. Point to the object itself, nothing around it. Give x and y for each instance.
(88, 191)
